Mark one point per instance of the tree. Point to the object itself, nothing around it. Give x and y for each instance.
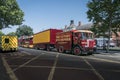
(1, 33)
(12, 34)
(99, 30)
(105, 12)
(24, 30)
(10, 13)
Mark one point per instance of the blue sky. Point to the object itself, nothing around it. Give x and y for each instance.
(44, 14)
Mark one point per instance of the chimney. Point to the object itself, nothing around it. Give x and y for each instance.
(71, 22)
(65, 26)
(79, 23)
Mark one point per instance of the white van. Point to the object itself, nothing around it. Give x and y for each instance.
(100, 42)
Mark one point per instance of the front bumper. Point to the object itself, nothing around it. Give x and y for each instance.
(87, 50)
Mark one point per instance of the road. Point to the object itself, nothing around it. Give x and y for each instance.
(30, 64)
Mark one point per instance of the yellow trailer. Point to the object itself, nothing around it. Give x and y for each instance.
(42, 37)
(45, 39)
(9, 43)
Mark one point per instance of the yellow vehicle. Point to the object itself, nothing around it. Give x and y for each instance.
(8, 43)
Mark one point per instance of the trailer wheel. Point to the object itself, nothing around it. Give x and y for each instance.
(77, 50)
(48, 48)
(61, 49)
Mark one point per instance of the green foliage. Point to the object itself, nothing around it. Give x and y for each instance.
(1, 33)
(24, 30)
(10, 13)
(12, 34)
(99, 30)
(106, 13)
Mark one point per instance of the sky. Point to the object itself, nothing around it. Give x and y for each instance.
(45, 14)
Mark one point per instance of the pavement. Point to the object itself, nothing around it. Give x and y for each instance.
(109, 52)
(110, 48)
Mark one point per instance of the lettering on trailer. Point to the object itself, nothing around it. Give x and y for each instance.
(62, 42)
(63, 37)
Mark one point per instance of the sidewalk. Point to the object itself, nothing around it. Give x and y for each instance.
(101, 51)
(3, 72)
(110, 48)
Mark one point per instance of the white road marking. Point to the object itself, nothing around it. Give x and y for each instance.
(106, 60)
(94, 70)
(26, 52)
(27, 62)
(50, 77)
(9, 70)
(73, 68)
(69, 68)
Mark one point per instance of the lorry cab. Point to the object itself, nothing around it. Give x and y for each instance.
(83, 41)
(76, 41)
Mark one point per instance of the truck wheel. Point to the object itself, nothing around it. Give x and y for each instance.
(77, 50)
(61, 50)
(48, 48)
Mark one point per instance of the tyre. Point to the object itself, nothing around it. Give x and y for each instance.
(61, 49)
(48, 48)
(77, 50)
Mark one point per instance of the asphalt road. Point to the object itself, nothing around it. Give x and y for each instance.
(30, 64)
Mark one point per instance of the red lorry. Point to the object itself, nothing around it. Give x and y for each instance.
(69, 39)
(45, 39)
(76, 41)
(26, 41)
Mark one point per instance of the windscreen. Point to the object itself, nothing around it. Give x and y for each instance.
(85, 35)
